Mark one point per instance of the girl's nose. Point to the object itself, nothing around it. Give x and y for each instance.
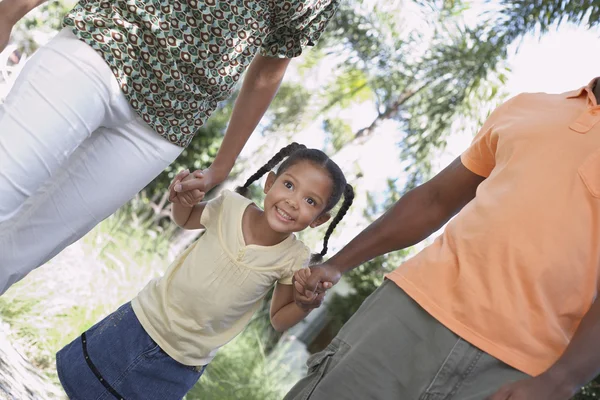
(291, 203)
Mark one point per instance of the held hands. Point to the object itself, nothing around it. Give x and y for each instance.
(186, 199)
(189, 189)
(310, 285)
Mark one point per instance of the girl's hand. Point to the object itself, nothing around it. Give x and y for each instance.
(191, 197)
(203, 182)
(187, 199)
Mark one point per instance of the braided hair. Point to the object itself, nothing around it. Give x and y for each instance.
(296, 153)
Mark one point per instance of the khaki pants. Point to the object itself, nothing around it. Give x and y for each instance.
(392, 349)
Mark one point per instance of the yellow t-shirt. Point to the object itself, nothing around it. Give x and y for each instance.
(517, 269)
(210, 292)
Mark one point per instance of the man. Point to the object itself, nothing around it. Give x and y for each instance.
(502, 304)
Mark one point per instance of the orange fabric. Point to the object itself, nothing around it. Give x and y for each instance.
(517, 269)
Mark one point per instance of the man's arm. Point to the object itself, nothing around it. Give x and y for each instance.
(579, 364)
(11, 11)
(414, 217)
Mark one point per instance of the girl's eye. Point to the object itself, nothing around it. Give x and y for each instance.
(288, 184)
(311, 202)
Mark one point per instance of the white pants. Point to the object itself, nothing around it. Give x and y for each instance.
(72, 151)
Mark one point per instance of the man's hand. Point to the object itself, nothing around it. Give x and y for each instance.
(310, 283)
(307, 304)
(542, 387)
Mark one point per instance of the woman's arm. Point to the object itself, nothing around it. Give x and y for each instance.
(260, 84)
(11, 11)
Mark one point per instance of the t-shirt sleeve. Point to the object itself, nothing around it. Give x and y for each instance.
(301, 261)
(212, 210)
(480, 156)
(288, 40)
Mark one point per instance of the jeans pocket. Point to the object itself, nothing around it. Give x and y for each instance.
(155, 353)
(319, 363)
(589, 172)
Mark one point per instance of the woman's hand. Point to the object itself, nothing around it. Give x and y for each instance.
(198, 184)
(6, 25)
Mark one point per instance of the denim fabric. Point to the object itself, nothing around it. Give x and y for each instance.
(127, 359)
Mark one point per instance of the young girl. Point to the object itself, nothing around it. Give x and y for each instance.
(157, 345)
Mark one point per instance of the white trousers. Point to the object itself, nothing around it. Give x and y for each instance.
(72, 151)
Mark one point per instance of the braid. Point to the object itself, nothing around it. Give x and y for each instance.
(281, 154)
(295, 153)
(348, 199)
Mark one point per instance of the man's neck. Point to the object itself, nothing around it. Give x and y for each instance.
(597, 91)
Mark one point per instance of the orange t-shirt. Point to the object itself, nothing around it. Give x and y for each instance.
(517, 269)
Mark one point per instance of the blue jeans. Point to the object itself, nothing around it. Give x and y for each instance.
(123, 362)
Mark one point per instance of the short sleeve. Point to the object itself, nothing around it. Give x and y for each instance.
(480, 157)
(212, 210)
(301, 261)
(288, 39)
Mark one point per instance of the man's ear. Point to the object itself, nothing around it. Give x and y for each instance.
(271, 177)
(320, 220)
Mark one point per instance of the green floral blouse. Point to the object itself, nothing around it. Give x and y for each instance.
(175, 60)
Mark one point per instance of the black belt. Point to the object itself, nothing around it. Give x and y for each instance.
(95, 370)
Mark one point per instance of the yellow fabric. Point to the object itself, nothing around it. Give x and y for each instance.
(518, 268)
(210, 292)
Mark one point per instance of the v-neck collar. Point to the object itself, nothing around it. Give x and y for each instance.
(242, 241)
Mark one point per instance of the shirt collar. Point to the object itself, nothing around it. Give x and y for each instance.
(589, 90)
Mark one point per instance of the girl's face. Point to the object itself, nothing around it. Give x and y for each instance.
(297, 198)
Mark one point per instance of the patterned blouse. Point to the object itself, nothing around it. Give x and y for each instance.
(175, 60)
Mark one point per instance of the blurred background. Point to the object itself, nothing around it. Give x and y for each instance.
(394, 91)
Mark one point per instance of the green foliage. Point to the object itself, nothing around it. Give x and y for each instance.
(589, 392)
(350, 86)
(244, 369)
(340, 132)
(288, 108)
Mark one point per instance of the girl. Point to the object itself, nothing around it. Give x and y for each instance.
(157, 345)
(118, 94)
